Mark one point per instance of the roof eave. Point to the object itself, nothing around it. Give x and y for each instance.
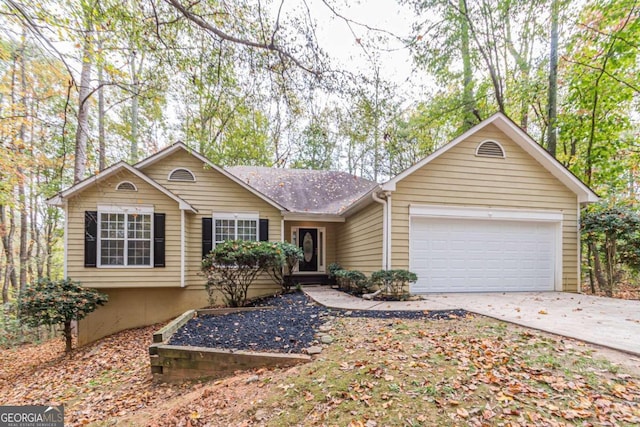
(58, 200)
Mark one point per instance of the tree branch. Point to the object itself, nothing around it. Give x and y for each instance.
(269, 47)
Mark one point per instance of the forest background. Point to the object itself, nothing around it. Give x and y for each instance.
(85, 83)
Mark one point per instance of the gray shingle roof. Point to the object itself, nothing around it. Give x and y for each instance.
(305, 191)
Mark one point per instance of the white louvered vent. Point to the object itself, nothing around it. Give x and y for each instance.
(126, 186)
(490, 149)
(182, 175)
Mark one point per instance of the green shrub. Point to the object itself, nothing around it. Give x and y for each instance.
(50, 302)
(232, 267)
(394, 283)
(352, 281)
(333, 267)
(283, 262)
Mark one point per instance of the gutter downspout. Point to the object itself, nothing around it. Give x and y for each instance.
(385, 226)
(182, 254)
(65, 240)
(389, 242)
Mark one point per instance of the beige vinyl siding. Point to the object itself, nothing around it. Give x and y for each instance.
(104, 193)
(211, 193)
(330, 236)
(460, 178)
(359, 244)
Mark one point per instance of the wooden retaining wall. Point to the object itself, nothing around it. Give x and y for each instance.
(176, 363)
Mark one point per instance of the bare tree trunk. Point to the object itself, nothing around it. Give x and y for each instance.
(101, 112)
(22, 197)
(84, 92)
(602, 283)
(592, 278)
(553, 82)
(467, 90)
(10, 277)
(135, 83)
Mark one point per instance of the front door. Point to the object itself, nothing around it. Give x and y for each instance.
(308, 242)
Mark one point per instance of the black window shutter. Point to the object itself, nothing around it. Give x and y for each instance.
(158, 239)
(264, 230)
(207, 236)
(90, 238)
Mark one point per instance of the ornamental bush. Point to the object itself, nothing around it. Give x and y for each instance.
(352, 281)
(283, 264)
(49, 302)
(394, 283)
(232, 267)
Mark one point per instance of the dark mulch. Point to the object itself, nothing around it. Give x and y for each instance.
(289, 327)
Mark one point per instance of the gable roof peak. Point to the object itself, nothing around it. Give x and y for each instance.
(516, 134)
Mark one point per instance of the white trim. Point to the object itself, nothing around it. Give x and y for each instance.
(522, 139)
(182, 249)
(385, 225)
(559, 271)
(579, 249)
(389, 234)
(181, 146)
(141, 209)
(181, 180)
(504, 153)
(65, 240)
(135, 188)
(282, 230)
(484, 213)
(312, 217)
(320, 269)
(112, 170)
(125, 210)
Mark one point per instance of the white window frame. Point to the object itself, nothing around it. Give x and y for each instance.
(126, 210)
(235, 217)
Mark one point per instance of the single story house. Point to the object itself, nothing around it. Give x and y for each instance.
(489, 211)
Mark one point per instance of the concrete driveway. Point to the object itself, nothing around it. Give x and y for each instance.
(603, 321)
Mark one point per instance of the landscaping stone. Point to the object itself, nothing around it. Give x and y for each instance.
(252, 379)
(314, 349)
(325, 328)
(284, 324)
(326, 339)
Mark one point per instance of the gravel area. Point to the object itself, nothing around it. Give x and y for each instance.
(289, 327)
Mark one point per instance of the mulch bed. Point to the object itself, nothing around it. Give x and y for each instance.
(288, 328)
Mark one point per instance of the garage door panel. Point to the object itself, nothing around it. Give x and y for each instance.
(467, 255)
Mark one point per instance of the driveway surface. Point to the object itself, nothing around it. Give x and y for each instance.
(608, 322)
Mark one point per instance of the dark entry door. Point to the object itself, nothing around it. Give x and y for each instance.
(308, 242)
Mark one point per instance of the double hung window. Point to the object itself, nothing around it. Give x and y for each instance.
(125, 237)
(235, 227)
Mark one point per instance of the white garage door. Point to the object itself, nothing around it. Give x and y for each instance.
(475, 255)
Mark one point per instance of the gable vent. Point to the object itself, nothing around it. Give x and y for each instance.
(126, 186)
(490, 149)
(182, 175)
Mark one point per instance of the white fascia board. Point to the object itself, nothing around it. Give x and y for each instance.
(464, 212)
(296, 216)
(61, 196)
(520, 137)
(363, 201)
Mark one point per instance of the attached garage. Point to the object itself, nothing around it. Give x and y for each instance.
(484, 250)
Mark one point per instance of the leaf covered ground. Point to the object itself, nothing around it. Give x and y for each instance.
(378, 372)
